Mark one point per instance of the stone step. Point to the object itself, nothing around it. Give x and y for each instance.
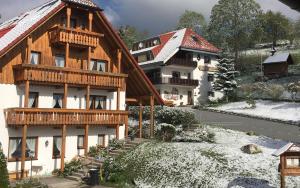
(92, 166)
(74, 178)
(78, 174)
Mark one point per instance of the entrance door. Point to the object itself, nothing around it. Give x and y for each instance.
(190, 98)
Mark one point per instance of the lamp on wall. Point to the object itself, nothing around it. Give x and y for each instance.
(46, 143)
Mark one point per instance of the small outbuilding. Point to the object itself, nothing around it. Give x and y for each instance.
(289, 161)
(277, 65)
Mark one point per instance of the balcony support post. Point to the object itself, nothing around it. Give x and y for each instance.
(90, 21)
(28, 55)
(26, 98)
(117, 131)
(67, 54)
(151, 116)
(126, 123)
(23, 150)
(119, 56)
(63, 148)
(118, 98)
(86, 140)
(140, 119)
(88, 97)
(65, 96)
(69, 11)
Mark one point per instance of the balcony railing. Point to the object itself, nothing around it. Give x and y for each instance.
(175, 81)
(55, 117)
(79, 37)
(57, 75)
(182, 62)
(208, 68)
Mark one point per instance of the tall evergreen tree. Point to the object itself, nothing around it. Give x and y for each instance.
(192, 20)
(226, 78)
(3, 171)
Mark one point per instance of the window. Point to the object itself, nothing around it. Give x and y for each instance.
(33, 100)
(101, 140)
(35, 58)
(142, 58)
(98, 65)
(60, 61)
(56, 147)
(80, 142)
(292, 162)
(15, 148)
(207, 59)
(210, 77)
(175, 91)
(97, 102)
(211, 94)
(57, 100)
(176, 74)
(189, 76)
(73, 23)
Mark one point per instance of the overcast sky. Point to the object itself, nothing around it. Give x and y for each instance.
(155, 16)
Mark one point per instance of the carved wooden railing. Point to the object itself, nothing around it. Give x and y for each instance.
(182, 62)
(175, 81)
(58, 75)
(52, 117)
(59, 34)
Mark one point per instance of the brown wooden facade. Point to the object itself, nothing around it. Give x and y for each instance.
(90, 38)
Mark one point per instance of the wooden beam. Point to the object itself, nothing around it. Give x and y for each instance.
(69, 11)
(90, 21)
(89, 58)
(23, 156)
(151, 116)
(88, 97)
(63, 148)
(65, 96)
(86, 140)
(118, 98)
(119, 56)
(67, 54)
(117, 131)
(29, 46)
(126, 123)
(132, 100)
(26, 93)
(282, 167)
(140, 119)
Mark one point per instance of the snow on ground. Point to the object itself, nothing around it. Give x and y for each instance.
(217, 165)
(287, 111)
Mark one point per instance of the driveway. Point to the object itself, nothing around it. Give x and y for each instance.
(261, 127)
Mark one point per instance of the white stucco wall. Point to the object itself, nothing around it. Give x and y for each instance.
(12, 96)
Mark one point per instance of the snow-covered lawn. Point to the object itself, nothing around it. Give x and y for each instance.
(217, 165)
(287, 111)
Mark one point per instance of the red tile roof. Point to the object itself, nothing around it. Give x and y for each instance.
(6, 30)
(164, 38)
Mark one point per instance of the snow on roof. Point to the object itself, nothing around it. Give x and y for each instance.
(88, 3)
(171, 42)
(20, 24)
(283, 149)
(142, 50)
(277, 58)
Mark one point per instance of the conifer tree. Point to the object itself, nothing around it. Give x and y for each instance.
(3, 171)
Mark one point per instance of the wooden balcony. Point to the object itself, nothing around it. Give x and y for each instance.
(57, 75)
(56, 117)
(175, 81)
(182, 62)
(75, 37)
(208, 68)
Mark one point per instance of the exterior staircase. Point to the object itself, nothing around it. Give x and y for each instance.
(92, 163)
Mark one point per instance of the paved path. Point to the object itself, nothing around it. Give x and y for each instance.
(262, 127)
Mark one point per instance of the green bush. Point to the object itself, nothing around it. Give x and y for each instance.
(166, 132)
(3, 171)
(29, 183)
(175, 117)
(198, 135)
(115, 144)
(71, 167)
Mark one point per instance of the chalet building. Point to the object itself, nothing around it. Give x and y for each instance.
(66, 79)
(181, 64)
(277, 65)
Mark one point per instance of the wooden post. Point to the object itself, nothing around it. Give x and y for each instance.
(140, 119)
(118, 98)
(67, 54)
(90, 21)
(126, 124)
(90, 27)
(69, 11)
(282, 167)
(117, 131)
(119, 56)
(151, 116)
(86, 140)
(63, 148)
(65, 96)
(23, 156)
(26, 93)
(29, 44)
(88, 97)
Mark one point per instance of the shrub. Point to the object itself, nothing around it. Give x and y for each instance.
(115, 144)
(3, 171)
(166, 132)
(29, 183)
(250, 101)
(175, 117)
(275, 91)
(198, 135)
(70, 168)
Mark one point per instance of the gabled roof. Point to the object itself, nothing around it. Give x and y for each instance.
(173, 41)
(15, 30)
(289, 147)
(277, 58)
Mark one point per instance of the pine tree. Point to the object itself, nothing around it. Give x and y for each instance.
(226, 77)
(3, 171)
